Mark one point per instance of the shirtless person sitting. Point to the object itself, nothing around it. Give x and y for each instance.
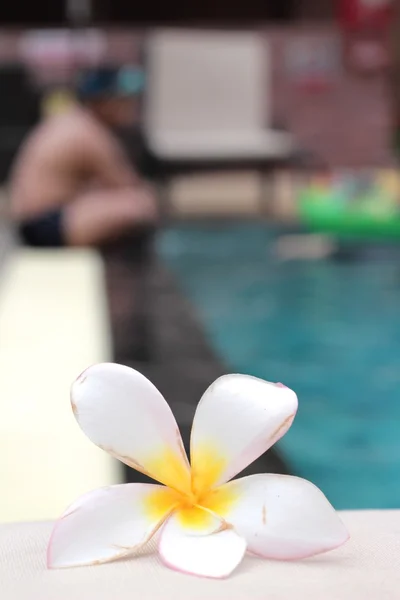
(72, 183)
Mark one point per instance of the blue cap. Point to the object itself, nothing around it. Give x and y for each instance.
(110, 81)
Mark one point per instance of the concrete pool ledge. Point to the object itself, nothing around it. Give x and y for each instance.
(368, 566)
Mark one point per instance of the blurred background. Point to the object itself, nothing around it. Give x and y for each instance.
(270, 132)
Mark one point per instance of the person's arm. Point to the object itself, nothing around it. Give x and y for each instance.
(107, 162)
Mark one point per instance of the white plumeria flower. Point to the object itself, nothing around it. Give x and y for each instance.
(207, 524)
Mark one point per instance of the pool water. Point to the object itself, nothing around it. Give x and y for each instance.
(329, 330)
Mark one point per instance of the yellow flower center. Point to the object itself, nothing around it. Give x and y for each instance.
(207, 467)
(194, 511)
(193, 499)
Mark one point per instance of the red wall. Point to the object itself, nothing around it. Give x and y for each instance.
(348, 124)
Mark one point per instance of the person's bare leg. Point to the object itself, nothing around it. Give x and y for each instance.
(98, 217)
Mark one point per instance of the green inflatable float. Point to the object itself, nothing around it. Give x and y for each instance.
(363, 205)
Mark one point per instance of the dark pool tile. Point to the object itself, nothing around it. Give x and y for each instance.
(164, 339)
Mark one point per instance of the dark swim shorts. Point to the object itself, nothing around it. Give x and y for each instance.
(45, 230)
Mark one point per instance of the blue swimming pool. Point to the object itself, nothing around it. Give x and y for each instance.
(330, 330)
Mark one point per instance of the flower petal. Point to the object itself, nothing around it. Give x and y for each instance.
(215, 551)
(238, 419)
(108, 523)
(280, 517)
(123, 413)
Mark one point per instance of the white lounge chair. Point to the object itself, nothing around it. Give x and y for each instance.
(208, 97)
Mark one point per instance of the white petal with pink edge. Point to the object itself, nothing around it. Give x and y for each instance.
(122, 412)
(214, 554)
(281, 517)
(108, 523)
(238, 418)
